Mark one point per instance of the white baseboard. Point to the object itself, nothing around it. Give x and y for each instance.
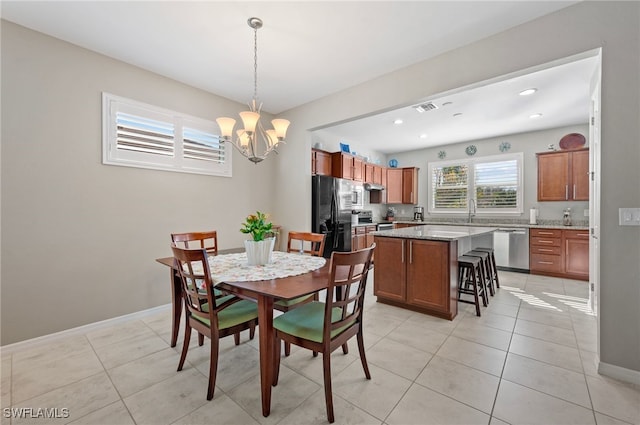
(80, 330)
(619, 373)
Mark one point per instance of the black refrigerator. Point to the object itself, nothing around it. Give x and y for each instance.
(331, 205)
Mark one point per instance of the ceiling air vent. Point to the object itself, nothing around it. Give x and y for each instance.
(425, 107)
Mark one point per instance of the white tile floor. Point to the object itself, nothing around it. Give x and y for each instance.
(528, 359)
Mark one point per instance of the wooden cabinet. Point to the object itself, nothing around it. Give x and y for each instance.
(379, 196)
(369, 236)
(580, 175)
(320, 162)
(361, 237)
(427, 268)
(417, 274)
(402, 185)
(394, 185)
(372, 173)
(560, 253)
(545, 251)
(347, 166)
(390, 272)
(563, 176)
(410, 185)
(576, 254)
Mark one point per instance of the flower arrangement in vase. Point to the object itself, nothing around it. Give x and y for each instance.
(260, 247)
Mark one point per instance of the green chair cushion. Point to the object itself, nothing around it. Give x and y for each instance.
(307, 321)
(237, 313)
(287, 303)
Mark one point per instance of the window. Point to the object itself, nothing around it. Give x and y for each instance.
(493, 183)
(144, 136)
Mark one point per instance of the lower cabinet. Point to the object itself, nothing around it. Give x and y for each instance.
(361, 237)
(560, 253)
(576, 254)
(417, 274)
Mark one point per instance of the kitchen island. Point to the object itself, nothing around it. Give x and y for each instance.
(417, 267)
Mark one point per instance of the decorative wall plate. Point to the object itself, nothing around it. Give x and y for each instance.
(393, 163)
(504, 146)
(572, 141)
(471, 150)
(442, 154)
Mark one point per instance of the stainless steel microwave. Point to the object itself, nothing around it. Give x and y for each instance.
(357, 199)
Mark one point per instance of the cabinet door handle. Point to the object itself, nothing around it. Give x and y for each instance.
(545, 250)
(403, 251)
(545, 233)
(545, 262)
(545, 241)
(574, 191)
(566, 191)
(410, 252)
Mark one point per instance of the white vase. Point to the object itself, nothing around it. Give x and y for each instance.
(259, 252)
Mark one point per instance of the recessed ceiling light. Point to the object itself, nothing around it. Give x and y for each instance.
(457, 114)
(535, 116)
(447, 103)
(423, 136)
(527, 92)
(398, 121)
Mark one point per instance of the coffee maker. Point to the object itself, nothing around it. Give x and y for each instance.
(418, 213)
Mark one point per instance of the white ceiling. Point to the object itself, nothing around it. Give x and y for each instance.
(491, 110)
(309, 49)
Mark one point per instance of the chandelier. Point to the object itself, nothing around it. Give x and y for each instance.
(253, 141)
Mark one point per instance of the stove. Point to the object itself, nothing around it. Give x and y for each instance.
(365, 216)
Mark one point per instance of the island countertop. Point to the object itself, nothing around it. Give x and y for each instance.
(435, 232)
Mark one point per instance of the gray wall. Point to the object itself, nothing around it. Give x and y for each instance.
(80, 239)
(614, 26)
(527, 143)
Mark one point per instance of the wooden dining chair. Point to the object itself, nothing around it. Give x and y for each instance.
(308, 244)
(207, 240)
(214, 317)
(324, 326)
(204, 240)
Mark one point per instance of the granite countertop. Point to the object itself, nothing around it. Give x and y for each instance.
(435, 232)
(550, 224)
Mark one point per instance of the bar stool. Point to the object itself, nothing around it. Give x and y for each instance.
(486, 268)
(492, 263)
(469, 281)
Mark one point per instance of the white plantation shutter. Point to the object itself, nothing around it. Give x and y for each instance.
(449, 187)
(202, 146)
(494, 183)
(144, 136)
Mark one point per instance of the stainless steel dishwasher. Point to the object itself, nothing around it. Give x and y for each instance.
(511, 248)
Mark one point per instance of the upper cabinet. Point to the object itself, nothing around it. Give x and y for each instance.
(402, 185)
(410, 185)
(372, 173)
(347, 166)
(394, 185)
(563, 176)
(320, 162)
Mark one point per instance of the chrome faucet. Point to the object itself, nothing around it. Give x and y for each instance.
(472, 209)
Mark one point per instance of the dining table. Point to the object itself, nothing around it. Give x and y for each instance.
(264, 291)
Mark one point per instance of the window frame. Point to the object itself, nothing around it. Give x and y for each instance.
(471, 185)
(111, 155)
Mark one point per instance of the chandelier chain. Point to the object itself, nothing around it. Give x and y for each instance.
(255, 63)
